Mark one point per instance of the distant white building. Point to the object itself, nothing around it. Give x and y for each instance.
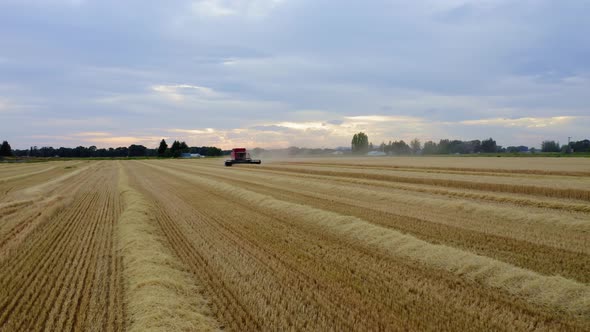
(191, 155)
(376, 153)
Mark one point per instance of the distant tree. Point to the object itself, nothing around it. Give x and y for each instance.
(430, 147)
(443, 146)
(293, 150)
(206, 150)
(550, 146)
(80, 151)
(175, 150)
(517, 149)
(121, 151)
(489, 146)
(360, 143)
(137, 150)
(399, 148)
(162, 148)
(415, 145)
(388, 147)
(33, 152)
(580, 146)
(475, 146)
(512, 149)
(5, 149)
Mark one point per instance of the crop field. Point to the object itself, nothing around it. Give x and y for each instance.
(319, 244)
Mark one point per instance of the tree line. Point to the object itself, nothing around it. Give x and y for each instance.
(134, 150)
(576, 146)
(360, 144)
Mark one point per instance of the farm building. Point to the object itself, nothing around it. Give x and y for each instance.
(191, 155)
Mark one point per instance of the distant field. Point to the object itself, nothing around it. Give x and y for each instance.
(342, 244)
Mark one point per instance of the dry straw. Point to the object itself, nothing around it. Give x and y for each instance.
(159, 294)
(571, 193)
(556, 292)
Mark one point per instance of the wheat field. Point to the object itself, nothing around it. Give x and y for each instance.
(309, 244)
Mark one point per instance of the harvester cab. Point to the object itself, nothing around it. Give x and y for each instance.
(241, 156)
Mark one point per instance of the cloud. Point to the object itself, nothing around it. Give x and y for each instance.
(383, 118)
(178, 92)
(212, 8)
(221, 8)
(9, 106)
(112, 141)
(527, 122)
(92, 134)
(46, 2)
(73, 123)
(193, 131)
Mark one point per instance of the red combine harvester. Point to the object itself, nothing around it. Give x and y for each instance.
(240, 156)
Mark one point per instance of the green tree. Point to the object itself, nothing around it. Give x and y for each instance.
(550, 146)
(162, 148)
(489, 146)
(444, 146)
(430, 147)
(137, 150)
(175, 149)
(5, 150)
(360, 143)
(415, 145)
(580, 146)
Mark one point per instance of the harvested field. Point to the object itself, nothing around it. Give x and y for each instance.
(335, 244)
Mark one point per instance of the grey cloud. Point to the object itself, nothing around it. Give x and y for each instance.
(273, 128)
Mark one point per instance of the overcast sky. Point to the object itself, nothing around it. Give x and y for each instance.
(276, 73)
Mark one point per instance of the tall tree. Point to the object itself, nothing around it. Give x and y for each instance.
(489, 146)
(430, 147)
(360, 143)
(580, 146)
(550, 146)
(184, 147)
(175, 149)
(5, 150)
(415, 145)
(162, 148)
(137, 150)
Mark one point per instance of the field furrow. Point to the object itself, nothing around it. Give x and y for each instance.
(49, 268)
(569, 193)
(188, 189)
(564, 205)
(547, 259)
(449, 170)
